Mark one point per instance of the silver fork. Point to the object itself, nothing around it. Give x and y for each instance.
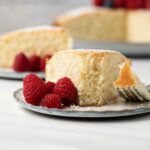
(133, 93)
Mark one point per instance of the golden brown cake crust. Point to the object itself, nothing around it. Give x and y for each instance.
(126, 78)
(94, 52)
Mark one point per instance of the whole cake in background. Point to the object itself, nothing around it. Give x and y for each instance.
(110, 20)
(25, 49)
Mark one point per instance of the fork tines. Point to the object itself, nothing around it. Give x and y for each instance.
(132, 94)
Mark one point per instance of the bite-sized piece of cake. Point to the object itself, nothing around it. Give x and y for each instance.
(93, 73)
(138, 26)
(93, 23)
(130, 84)
(33, 41)
(125, 77)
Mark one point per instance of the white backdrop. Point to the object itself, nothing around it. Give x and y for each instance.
(22, 13)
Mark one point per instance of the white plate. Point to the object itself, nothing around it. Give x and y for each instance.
(107, 111)
(131, 49)
(10, 74)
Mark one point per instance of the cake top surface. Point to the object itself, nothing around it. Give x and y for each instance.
(86, 52)
(80, 10)
(87, 10)
(92, 10)
(37, 28)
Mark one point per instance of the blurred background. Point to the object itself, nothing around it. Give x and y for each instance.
(16, 14)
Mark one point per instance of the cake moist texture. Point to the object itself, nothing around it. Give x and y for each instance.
(93, 73)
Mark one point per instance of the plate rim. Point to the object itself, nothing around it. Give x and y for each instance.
(80, 114)
(4, 74)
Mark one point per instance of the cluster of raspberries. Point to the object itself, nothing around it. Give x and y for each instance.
(50, 94)
(127, 4)
(34, 63)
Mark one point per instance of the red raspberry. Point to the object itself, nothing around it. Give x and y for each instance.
(119, 3)
(43, 61)
(98, 2)
(34, 89)
(147, 4)
(134, 4)
(51, 101)
(21, 63)
(35, 63)
(66, 90)
(50, 85)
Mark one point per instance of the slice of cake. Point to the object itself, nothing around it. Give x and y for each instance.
(129, 83)
(92, 71)
(92, 23)
(38, 40)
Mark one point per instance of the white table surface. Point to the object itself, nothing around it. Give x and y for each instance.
(22, 130)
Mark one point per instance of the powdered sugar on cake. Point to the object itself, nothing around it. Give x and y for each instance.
(36, 28)
(96, 50)
(81, 10)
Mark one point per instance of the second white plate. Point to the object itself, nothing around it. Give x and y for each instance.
(10, 74)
